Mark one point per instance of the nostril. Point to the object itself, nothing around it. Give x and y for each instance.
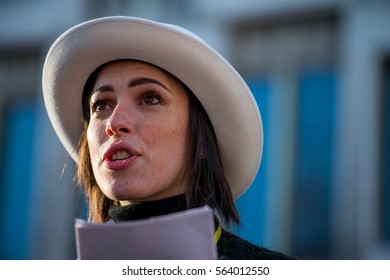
(124, 130)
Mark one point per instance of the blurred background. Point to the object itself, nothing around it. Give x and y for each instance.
(320, 72)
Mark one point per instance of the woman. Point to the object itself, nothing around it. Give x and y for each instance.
(157, 121)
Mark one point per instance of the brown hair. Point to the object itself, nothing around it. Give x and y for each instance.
(206, 183)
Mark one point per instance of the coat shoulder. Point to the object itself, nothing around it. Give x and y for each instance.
(233, 247)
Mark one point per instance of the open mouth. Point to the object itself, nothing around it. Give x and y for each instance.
(120, 155)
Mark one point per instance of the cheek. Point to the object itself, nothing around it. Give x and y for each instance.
(94, 135)
(166, 136)
(174, 135)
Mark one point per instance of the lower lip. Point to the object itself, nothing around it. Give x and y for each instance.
(119, 164)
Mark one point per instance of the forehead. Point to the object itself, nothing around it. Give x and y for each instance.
(124, 68)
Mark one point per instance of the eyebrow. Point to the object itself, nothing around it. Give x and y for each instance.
(133, 83)
(141, 81)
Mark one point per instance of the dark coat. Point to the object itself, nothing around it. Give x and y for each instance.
(232, 247)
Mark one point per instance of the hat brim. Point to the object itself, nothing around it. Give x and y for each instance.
(221, 90)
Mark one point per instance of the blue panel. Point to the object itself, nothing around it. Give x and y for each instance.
(15, 185)
(250, 205)
(315, 128)
(386, 150)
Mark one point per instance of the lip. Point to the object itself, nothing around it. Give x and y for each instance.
(119, 164)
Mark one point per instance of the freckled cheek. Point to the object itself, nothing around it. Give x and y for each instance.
(164, 137)
(174, 136)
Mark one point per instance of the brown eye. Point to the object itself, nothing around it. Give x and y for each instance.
(99, 106)
(152, 98)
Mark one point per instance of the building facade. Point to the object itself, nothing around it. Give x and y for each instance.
(320, 72)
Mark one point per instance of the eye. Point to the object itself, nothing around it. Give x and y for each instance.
(99, 106)
(151, 98)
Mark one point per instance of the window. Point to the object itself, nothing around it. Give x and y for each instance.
(385, 116)
(311, 213)
(17, 128)
(16, 181)
(288, 206)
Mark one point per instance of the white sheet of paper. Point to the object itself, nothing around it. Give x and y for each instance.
(183, 235)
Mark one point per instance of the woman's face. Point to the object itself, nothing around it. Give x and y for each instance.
(138, 132)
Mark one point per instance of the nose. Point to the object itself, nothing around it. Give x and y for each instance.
(119, 122)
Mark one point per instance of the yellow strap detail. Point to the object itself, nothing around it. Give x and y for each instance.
(218, 232)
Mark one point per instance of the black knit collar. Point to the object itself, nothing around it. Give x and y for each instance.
(147, 209)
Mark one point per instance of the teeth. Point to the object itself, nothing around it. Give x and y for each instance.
(119, 155)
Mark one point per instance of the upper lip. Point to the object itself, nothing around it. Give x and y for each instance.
(119, 146)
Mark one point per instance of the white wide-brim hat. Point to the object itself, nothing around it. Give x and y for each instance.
(225, 96)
